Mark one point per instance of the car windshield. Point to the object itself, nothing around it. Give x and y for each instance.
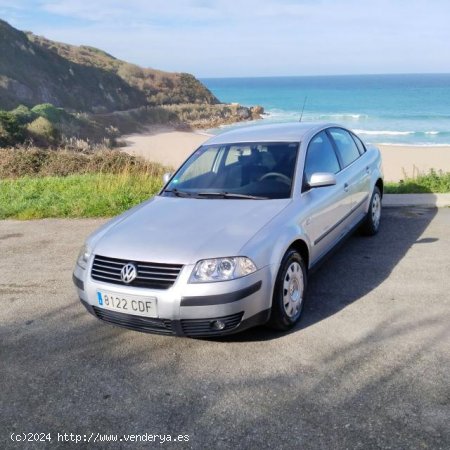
(241, 171)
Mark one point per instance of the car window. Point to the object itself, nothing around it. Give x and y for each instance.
(204, 164)
(320, 156)
(261, 169)
(359, 144)
(345, 144)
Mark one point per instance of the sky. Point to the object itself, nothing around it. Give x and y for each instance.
(238, 38)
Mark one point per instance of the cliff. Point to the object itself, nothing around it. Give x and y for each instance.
(36, 70)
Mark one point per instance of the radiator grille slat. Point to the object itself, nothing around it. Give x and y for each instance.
(106, 266)
(110, 262)
(145, 267)
(103, 278)
(160, 273)
(157, 278)
(108, 272)
(149, 275)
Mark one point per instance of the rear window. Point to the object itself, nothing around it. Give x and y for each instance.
(359, 144)
(348, 151)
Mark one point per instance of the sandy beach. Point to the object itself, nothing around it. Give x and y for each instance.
(407, 160)
(171, 147)
(163, 144)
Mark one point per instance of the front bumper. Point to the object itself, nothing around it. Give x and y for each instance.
(188, 309)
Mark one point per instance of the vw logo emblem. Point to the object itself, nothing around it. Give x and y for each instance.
(128, 273)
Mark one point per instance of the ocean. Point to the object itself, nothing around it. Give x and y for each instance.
(384, 109)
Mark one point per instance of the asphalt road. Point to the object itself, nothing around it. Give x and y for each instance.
(368, 366)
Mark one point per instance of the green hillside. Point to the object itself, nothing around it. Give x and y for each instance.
(35, 70)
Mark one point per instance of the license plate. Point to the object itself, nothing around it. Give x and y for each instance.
(129, 304)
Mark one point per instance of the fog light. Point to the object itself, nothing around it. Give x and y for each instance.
(217, 325)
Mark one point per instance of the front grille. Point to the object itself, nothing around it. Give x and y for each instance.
(149, 275)
(136, 323)
(203, 327)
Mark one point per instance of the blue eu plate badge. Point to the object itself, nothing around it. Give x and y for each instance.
(100, 299)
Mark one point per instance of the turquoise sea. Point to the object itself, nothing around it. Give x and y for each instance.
(391, 109)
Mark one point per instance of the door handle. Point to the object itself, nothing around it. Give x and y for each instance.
(368, 169)
(346, 187)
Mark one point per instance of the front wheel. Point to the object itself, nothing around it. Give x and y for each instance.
(289, 292)
(371, 224)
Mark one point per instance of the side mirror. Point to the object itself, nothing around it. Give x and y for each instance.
(321, 179)
(166, 177)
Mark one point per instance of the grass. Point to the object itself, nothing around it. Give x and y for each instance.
(436, 182)
(36, 183)
(79, 195)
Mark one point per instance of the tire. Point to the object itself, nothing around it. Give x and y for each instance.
(371, 223)
(289, 292)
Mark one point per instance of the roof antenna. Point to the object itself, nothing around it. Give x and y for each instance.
(304, 103)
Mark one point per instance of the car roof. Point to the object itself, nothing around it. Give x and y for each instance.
(280, 132)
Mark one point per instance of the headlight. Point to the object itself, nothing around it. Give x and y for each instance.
(83, 256)
(221, 269)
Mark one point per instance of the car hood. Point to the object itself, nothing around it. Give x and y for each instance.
(183, 231)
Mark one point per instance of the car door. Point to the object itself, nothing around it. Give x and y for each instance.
(354, 170)
(329, 206)
(365, 187)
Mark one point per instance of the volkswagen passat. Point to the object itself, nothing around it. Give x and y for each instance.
(229, 241)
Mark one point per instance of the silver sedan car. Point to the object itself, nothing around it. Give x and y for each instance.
(229, 241)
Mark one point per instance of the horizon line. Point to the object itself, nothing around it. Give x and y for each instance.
(323, 76)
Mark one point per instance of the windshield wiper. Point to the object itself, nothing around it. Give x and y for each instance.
(178, 193)
(230, 195)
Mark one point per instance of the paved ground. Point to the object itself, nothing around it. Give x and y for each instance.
(367, 368)
(422, 200)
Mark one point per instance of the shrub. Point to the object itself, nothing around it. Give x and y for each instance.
(23, 114)
(49, 112)
(16, 163)
(4, 135)
(10, 129)
(130, 71)
(42, 130)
